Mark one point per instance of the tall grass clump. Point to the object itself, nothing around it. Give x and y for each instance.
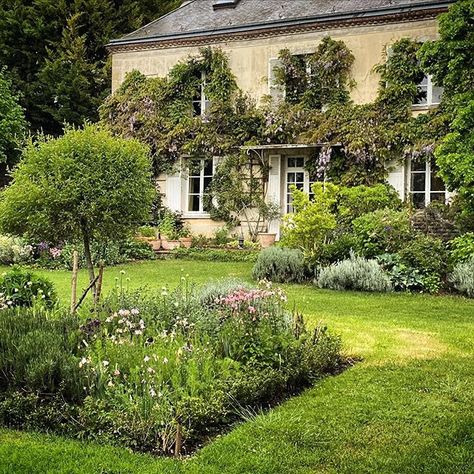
(282, 265)
(355, 273)
(462, 277)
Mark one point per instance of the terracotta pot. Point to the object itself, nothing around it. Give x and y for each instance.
(266, 240)
(170, 244)
(186, 242)
(155, 244)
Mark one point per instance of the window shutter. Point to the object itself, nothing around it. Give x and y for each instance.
(276, 91)
(274, 189)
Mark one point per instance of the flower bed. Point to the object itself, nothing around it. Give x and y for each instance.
(158, 372)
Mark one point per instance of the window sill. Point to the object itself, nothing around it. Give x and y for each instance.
(196, 215)
(424, 107)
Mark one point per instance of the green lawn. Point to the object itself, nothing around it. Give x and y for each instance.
(408, 407)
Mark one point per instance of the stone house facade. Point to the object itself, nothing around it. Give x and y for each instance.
(252, 33)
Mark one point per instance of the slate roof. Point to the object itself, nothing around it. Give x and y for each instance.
(197, 18)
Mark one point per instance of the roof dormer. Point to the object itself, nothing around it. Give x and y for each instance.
(220, 4)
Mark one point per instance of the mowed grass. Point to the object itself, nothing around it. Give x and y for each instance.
(407, 407)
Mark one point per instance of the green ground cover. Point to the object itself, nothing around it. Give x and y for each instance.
(407, 407)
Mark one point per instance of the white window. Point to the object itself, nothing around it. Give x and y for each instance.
(200, 178)
(429, 93)
(425, 186)
(296, 175)
(200, 102)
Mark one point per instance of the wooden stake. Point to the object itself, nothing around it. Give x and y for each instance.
(179, 441)
(99, 284)
(75, 270)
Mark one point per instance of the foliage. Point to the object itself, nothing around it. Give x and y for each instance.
(210, 294)
(216, 255)
(317, 80)
(39, 352)
(152, 365)
(355, 273)
(462, 248)
(279, 264)
(12, 123)
(407, 278)
(425, 253)
(14, 250)
(309, 226)
(172, 225)
(382, 231)
(84, 187)
(237, 192)
(49, 45)
(159, 111)
(23, 288)
(352, 202)
(462, 277)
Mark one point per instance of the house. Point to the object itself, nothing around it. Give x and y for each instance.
(252, 33)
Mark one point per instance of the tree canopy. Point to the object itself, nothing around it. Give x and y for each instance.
(82, 187)
(50, 45)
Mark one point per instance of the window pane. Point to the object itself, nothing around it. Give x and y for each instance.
(418, 200)
(418, 182)
(194, 185)
(299, 177)
(437, 197)
(197, 108)
(195, 168)
(193, 203)
(418, 165)
(207, 183)
(299, 162)
(437, 183)
(291, 163)
(207, 167)
(291, 177)
(437, 93)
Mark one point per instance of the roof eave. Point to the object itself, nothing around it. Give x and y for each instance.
(426, 8)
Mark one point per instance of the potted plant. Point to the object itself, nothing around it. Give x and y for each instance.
(150, 235)
(169, 233)
(269, 212)
(185, 238)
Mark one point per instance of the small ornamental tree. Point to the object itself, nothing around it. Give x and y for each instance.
(85, 186)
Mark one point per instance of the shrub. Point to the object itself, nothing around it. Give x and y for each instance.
(280, 265)
(216, 255)
(24, 288)
(38, 352)
(462, 277)
(425, 253)
(14, 250)
(462, 248)
(406, 278)
(382, 231)
(312, 222)
(355, 201)
(215, 290)
(356, 273)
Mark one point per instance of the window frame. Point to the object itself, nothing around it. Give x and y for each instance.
(430, 85)
(202, 177)
(203, 102)
(307, 183)
(428, 192)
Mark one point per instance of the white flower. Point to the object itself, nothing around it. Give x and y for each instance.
(146, 359)
(150, 370)
(105, 362)
(152, 392)
(165, 360)
(110, 384)
(82, 362)
(135, 311)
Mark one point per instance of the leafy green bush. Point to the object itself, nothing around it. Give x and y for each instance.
(462, 277)
(382, 231)
(406, 278)
(24, 288)
(425, 253)
(279, 265)
(462, 248)
(213, 291)
(38, 352)
(355, 201)
(356, 273)
(14, 250)
(216, 255)
(338, 248)
(312, 221)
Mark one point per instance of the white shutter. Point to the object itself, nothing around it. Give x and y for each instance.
(274, 189)
(175, 184)
(276, 91)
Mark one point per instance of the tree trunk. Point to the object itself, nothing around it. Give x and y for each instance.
(88, 256)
